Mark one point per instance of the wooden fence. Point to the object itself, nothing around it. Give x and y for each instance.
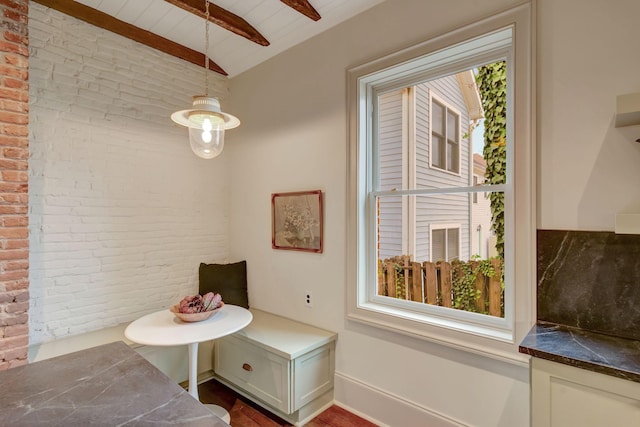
(433, 283)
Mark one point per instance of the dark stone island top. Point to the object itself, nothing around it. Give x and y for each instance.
(588, 302)
(606, 354)
(109, 385)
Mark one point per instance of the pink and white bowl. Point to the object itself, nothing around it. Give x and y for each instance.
(194, 317)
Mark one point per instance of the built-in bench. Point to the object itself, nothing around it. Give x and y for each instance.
(283, 365)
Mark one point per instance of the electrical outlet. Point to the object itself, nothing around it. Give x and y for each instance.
(308, 299)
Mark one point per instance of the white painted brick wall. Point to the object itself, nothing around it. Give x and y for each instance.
(121, 211)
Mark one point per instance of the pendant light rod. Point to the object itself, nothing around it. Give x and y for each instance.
(206, 48)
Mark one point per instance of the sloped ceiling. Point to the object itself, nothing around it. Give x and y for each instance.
(177, 30)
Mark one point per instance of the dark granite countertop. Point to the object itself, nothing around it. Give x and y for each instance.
(606, 354)
(106, 385)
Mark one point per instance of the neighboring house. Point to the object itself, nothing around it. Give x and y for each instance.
(425, 142)
(482, 235)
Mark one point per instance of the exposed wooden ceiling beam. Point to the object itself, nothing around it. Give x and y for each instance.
(304, 7)
(108, 22)
(223, 18)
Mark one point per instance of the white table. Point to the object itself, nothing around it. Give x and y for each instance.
(162, 328)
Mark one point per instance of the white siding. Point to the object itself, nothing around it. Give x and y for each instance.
(391, 171)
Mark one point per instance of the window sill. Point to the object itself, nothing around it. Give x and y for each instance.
(476, 339)
(447, 171)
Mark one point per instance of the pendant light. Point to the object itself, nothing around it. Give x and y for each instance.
(205, 121)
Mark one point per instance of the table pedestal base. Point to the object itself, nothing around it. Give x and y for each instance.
(220, 412)
(193, 384)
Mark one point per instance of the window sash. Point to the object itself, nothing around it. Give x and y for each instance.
(445, 136)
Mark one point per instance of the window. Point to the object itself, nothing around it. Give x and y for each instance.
(445, 243)
(411, 120)
(445, 137)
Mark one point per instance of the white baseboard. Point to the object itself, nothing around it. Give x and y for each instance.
(74, 343)
(383, 408)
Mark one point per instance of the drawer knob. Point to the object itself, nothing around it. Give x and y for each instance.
(247, 367)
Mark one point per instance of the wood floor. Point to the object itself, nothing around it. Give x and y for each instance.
(245, 413)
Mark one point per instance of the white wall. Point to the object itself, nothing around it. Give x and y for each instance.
(294, 137)
(588, 169)
(121, 212)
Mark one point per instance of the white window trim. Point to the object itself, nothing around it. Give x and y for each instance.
(362, 306)
(447, 226)
(448, 107)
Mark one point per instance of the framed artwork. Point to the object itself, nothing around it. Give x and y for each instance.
(296, 221)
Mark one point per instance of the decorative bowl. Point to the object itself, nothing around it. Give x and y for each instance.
(194, 317)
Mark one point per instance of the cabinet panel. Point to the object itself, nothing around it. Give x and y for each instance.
(313, 375)
(565, 396)
(256, 370)
(574, 404)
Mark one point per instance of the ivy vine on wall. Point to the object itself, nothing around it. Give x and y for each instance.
(492, 82)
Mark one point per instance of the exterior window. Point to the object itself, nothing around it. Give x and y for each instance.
(416, 235)
(445, 243)
(445, 137)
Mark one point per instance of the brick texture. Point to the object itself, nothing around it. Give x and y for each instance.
(121, 212)
(14, 152)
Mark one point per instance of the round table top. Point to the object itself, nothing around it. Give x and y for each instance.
(162, 328)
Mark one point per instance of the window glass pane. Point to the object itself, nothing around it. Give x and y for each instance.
(437, 118)
(452, 126)
(447, 229)
(449, 110)
(437, 152)
(492, 85)
(390, 140)
(438, 248)
(453, 241)
(453, 157)
(483, 230)
(389, 227)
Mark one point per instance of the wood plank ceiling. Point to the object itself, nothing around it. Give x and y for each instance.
(176, 27)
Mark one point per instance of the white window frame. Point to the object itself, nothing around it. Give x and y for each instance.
(493, 337)
(448, 107)
(451, 226)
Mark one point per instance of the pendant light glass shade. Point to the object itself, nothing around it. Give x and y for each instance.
(206, 125)
(207, 142)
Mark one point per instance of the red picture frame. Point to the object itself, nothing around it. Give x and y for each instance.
(297, 221)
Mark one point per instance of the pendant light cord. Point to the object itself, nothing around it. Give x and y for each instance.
(206, 49)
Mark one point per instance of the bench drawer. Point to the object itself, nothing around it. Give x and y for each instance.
(256, 370)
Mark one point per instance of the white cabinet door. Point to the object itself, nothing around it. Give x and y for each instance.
(564, 396)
